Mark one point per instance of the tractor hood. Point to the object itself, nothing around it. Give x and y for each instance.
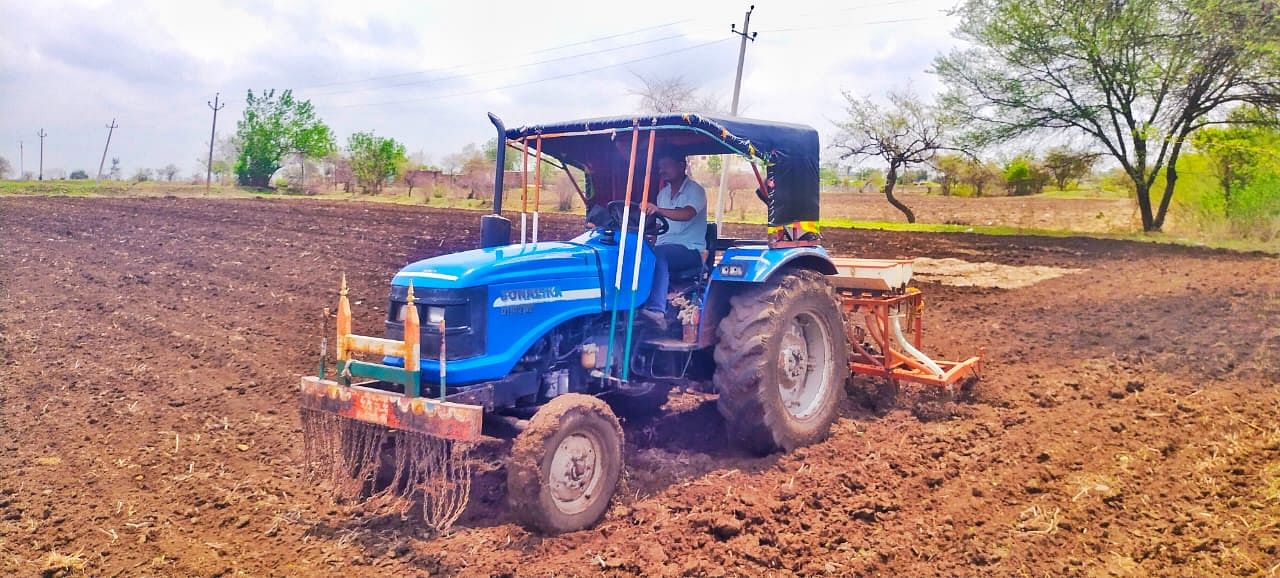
(498, 265)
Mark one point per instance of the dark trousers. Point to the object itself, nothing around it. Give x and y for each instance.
(670, 257)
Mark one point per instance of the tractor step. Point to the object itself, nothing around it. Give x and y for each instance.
(670, 344)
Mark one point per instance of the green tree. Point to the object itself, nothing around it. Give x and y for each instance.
(978, 175)
(950, 169)
(79, 175)
(513, 160)
(1024, 176)
(273, 127)
(1068, 165)
(1241, 152)
(828, 174)
(375, 159)
(714, 163)
(1136, 76)
(870, 176)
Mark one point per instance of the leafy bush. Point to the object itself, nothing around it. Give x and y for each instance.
(79, 175)
(1024, 176)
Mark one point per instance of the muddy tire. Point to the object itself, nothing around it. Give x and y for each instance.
(565, 466)
(781, 363)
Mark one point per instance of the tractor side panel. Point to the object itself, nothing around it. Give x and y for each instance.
(518, 315)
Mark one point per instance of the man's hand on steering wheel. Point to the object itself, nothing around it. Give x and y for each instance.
(655, 224)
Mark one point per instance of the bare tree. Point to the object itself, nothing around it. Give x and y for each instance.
(419, 178)
(5, 168)
(907, 133)
(168, 173)
(667, 94)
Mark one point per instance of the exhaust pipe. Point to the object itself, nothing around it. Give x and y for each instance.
(495, 230)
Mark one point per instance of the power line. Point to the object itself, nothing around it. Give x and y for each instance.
(608, 66)
(502, 69)
(540, 51)
(825, 26)
(828, 13)
(537, 81)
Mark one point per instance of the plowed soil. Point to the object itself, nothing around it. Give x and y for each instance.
(1126, 423)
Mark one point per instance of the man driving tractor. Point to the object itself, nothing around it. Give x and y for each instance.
(684, 203)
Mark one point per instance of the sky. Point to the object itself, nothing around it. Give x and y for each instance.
(425, 73)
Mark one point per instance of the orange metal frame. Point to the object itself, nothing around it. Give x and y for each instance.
(886, 360)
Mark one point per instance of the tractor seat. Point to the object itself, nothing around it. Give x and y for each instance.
(709, 254)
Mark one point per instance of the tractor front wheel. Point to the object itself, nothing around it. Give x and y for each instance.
(781, 363)
(565, 466)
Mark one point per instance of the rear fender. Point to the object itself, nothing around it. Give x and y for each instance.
(757, 263)
(741, 267)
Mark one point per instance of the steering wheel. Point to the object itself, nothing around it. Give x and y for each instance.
(655, 224)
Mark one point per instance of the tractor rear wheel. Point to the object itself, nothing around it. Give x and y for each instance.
(781, 363)
(565, 466)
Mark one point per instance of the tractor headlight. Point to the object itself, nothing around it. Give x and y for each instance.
(731, 270)
(435, 315)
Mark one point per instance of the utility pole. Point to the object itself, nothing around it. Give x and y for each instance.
(208, 174)
(41, 134)
(22, 162)
(110, 129)
(746, 35)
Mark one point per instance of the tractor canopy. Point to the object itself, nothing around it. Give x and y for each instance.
(601, 148)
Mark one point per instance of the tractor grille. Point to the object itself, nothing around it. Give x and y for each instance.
(464, 319)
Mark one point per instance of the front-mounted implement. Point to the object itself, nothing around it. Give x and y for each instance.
(350, 421)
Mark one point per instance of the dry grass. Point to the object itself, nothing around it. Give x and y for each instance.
(56, 564)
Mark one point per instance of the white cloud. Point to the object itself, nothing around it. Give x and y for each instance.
(70, 67)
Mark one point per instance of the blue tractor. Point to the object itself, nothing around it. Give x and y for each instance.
(543, 336)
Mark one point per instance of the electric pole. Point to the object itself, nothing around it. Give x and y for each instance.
(746, 35)
(208, 173)
(110, 129)
(41, 134)
(22, 162)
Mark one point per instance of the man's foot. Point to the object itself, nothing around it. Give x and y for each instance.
(656, 318)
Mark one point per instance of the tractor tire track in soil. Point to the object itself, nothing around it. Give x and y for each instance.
(1126, 424)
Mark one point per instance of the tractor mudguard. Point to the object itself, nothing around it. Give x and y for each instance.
(756, 263)
(750, 264)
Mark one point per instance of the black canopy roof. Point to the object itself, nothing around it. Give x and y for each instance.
(601, 148)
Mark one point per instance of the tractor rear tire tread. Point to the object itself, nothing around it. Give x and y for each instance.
(749, 403)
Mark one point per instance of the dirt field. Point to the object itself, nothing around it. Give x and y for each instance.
(151, 349)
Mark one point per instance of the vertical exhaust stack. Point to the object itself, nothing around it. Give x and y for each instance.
(495, 230)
